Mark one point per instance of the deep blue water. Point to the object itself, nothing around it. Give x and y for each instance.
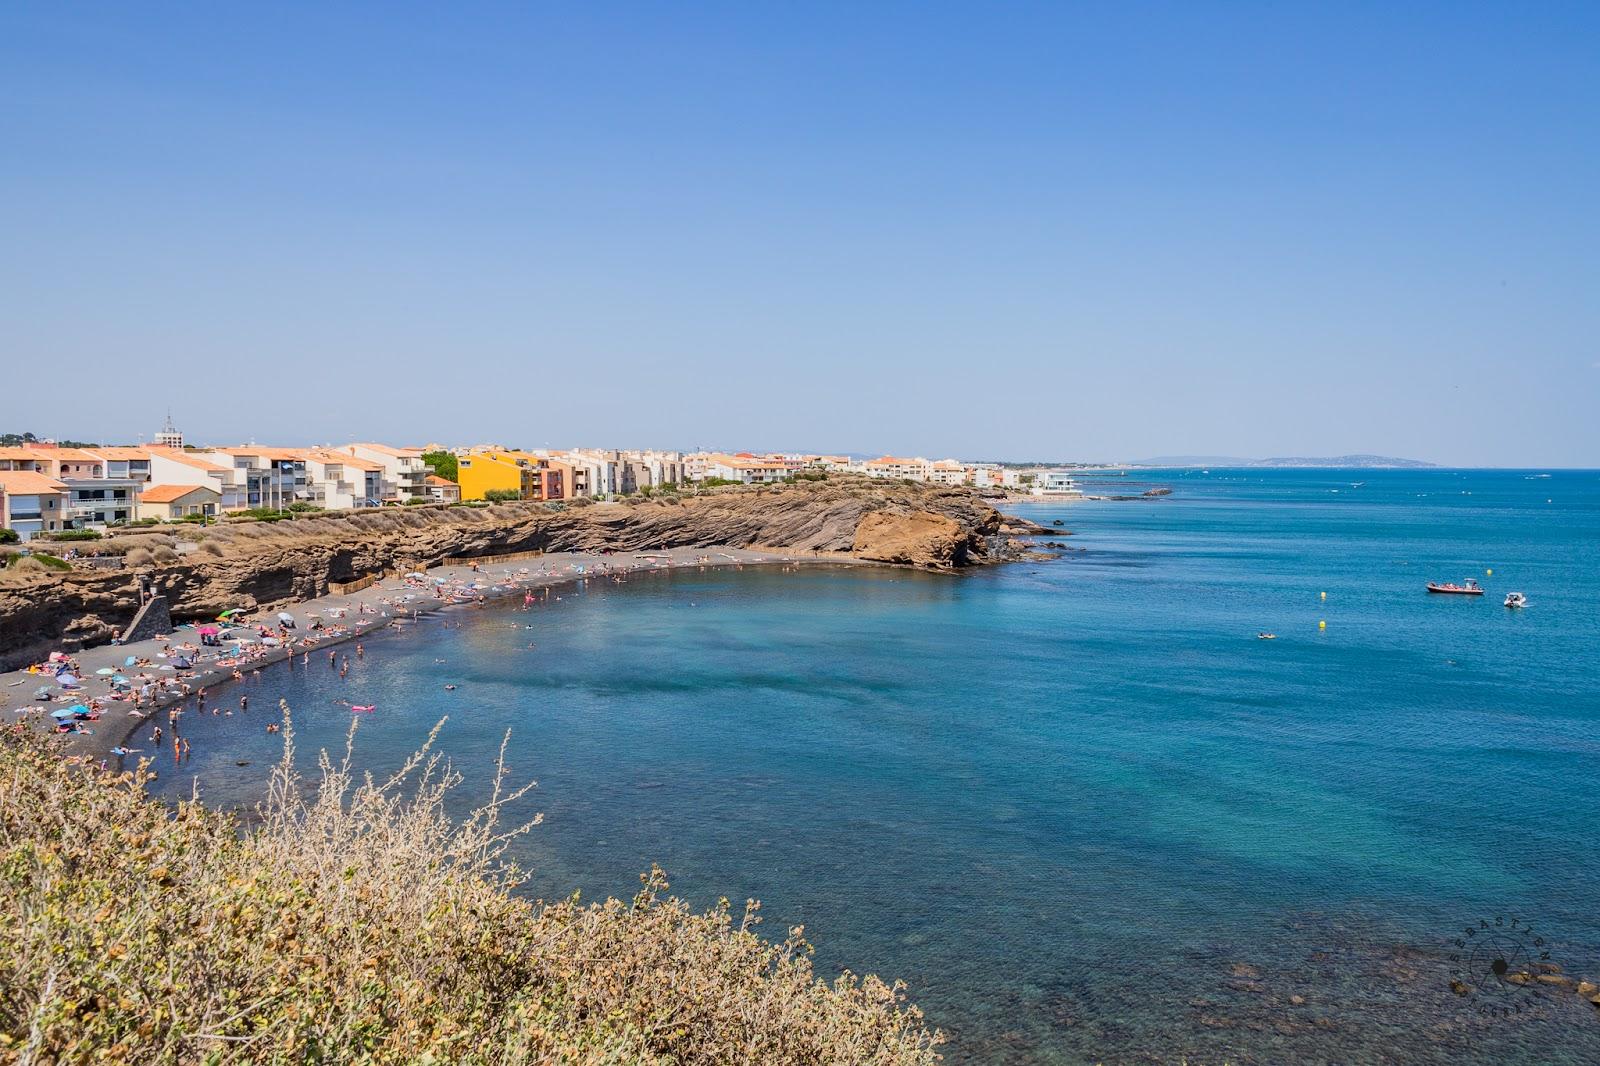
(1076, 804)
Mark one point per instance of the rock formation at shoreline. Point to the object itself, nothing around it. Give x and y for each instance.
(264, 564)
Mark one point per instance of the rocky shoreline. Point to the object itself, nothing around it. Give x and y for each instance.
(266, 565)
(388, 602)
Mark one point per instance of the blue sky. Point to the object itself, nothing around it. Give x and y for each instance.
(986, 230)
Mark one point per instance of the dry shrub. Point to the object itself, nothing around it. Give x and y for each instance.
(164, 555)
(211, 548)
(374, 523)
(138, 557)
(357, 923)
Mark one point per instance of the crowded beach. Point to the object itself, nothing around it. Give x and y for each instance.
(119, 703)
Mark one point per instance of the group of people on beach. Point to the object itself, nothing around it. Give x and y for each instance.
(235, 647)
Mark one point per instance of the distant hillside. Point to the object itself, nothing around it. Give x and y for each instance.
(1368, 461)
(1344, 460)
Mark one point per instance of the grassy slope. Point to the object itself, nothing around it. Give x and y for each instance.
(358, 924)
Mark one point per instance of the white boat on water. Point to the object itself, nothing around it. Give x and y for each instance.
(1516, 599)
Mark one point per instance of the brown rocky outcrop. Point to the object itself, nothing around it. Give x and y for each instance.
(267, 564)
(920, 538)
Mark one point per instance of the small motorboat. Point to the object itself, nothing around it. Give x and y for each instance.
(1516, 599)
(1471, 588)
(1266, 636)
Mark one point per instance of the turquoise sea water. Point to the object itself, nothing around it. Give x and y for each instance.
(1076, 804)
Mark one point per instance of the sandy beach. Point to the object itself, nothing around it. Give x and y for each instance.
(153, 668)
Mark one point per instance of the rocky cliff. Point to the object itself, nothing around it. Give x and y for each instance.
(265, 564)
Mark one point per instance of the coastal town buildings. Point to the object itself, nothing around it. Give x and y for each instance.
(405, 475)
(167, 466)
(171, 502)
(891, 466)
(531, 477)
(266, 477)
(98, 486)
(743, 467)
(95, 495)
(342, 481)
(1055, 483)
(31, 503)
(949, 472)
(442, 490)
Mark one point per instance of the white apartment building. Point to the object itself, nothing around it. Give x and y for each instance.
(97, 494)
(31, 502)
(949, 472)
(1055, 483)
(405, 475)
(340, 481)
(891, 466)
(264, 477)
(750, 469)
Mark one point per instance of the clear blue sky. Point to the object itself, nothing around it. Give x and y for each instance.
(1057, 230)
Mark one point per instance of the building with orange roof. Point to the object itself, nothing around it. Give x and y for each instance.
(171, 502)
(339, 481)
(261, 476)
(405, 475)
(744, 467)
(98, 493)
(949, 472)
(531, 477)
(892, 466)
(32, 503)
(443, 490)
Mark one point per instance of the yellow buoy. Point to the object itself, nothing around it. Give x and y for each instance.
(1490, 571)
(1324, 595)
(1322, 625)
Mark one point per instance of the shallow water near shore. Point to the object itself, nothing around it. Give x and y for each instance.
(1076, 804)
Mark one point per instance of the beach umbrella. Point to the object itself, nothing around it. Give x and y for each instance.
(66, 681)
(42, 692)
(129, 661)
(209, 631)
(65, 712)
(285, 616)
(105, 670)
(118, 679)
(271, 642)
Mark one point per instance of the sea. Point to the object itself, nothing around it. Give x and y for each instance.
(1078, 805)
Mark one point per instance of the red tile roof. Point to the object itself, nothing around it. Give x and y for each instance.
(170, 493)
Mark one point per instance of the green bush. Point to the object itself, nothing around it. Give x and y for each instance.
(443, 464)
(355, 921)
(9, 536)
(502, 495)
(717, 482)
(50, 561)
(72, 534)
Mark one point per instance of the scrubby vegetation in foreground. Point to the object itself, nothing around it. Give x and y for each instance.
(357, 923)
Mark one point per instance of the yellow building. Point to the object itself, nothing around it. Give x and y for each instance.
(529, 476)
